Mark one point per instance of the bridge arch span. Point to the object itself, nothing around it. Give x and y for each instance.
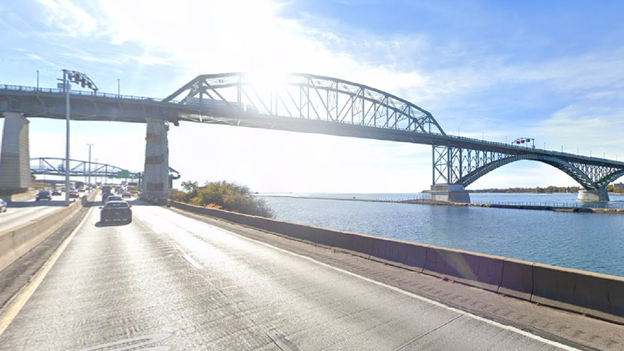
(568, 168)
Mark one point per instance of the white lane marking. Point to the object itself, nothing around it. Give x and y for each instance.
(191, 261)
(424, 299)
(187, 257)
(8, 314)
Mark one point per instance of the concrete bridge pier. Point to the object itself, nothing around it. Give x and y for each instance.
(155, 183)
(15, 155)
(597, 195)
(449, 192)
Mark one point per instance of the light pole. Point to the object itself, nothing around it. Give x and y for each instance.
(84, 81)
(96, 162)
(89, 174)
(118, 87)
(37, 80)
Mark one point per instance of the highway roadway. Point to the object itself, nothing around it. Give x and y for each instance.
(20, 212)
(172, 281)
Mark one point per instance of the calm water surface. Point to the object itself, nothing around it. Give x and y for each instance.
(591, 242)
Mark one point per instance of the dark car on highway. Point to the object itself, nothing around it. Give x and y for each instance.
(114, 198)
(116, 211)
(43, 195)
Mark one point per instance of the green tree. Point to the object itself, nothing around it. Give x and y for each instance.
(228, 196)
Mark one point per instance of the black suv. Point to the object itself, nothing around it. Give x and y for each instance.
(116, 211)
(43, 195)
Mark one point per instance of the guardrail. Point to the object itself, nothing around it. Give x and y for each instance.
(79, 92)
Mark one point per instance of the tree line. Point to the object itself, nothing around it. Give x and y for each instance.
(611, 188)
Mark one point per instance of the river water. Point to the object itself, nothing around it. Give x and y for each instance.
(586, 241)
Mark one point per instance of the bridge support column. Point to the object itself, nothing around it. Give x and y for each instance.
(598, 195)
(449, 192)
(15, 156)
(155, 183)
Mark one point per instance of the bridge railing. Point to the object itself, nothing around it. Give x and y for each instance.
(78, 92)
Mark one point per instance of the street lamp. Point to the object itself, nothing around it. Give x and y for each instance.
(96, 162)
(89, 174)
(70, 76)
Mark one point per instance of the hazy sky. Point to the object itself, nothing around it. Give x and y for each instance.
(549, 70)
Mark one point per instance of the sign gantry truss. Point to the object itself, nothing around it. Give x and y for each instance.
(77, 168)
(56, 166)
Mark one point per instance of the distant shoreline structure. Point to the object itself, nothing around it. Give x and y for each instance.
(556, 207)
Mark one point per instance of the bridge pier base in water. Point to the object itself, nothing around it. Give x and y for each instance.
(15, 156)
(155, 183)
(598, 195)
(449, 192)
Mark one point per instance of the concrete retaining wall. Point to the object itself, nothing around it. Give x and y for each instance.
(16, 242)
(589, 293)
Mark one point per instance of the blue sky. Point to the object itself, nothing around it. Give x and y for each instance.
(553, 71)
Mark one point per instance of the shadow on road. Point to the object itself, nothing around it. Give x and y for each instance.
(111, 224)
(23, 204)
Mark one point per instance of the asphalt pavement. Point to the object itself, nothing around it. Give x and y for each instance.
(21, 212)
(170, 281)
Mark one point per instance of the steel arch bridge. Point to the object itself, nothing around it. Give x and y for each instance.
(469, 164)
(311, 104)
(306, 97)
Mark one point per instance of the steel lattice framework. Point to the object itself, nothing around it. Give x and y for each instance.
(464, 165)
(77, 168)
(56, 166)
(304, 96)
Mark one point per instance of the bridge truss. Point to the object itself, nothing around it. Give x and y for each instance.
(301, 96)
(465, 164)
(56, 166)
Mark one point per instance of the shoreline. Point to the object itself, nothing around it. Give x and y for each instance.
(553, 208)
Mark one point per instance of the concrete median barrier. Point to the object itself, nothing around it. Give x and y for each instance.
(15, 242)
(593, 294)
(483, 271)
(362, 244)
(517, 280)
